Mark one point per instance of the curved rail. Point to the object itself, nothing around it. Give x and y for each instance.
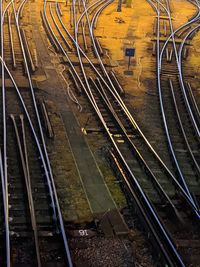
(182, 128)
(159, 57)
(147, 203)
(5, 170)
(49, 174)
(46, 163)
(178, 60)
(96, 51)
(174, 154)
(122, 105)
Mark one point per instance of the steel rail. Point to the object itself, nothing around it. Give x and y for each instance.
(155, 226)
(122, 105)
(172, 34)
(57, 27)
(62, 49)
(25, 167)
(79, 55)
(84, 37)
(197, 4)
(166, 128)
(34, 223)
(78, 47)
(186, 189)
(27, 51)
(63, 38)
(194, 123)
(78, 52)
(91, 8)
(94, 4)
(92, 101)
(178, 64)
(71, 14)
(47, 121)
(82, 52)
(49, 173)
(96, 19)
(153, 178)
(18, 92)
(135, 180)
(5, 208)
(180, 57)
(79, 6)
(23, 104)
(193, 100)
(22, 9)
(183, 264)
(26, 112)
(141, 208)
(182, 128)
(27, 115)
(183, 31)
(49, 33)
(60, 11)
(197, 17)
(7, 230)
(46, 167)
(151, 210)
(89, 25)
(196, 207)
(95, 42)
(164, 235)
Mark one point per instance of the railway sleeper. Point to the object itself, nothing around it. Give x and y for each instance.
(136, 204)
(20, 220)
(39, 206)
(22, 233)
(46, 119)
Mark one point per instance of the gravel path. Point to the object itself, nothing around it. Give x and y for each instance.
(110, 252)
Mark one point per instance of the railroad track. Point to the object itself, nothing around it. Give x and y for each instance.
(180, 124)
(158, 191)
(173, 79)
(146, 172)
(12, 50)
(32, 227)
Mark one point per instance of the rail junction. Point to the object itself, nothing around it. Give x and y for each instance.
(162, 186)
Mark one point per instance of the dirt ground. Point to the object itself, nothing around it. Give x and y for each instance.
(133, 27)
